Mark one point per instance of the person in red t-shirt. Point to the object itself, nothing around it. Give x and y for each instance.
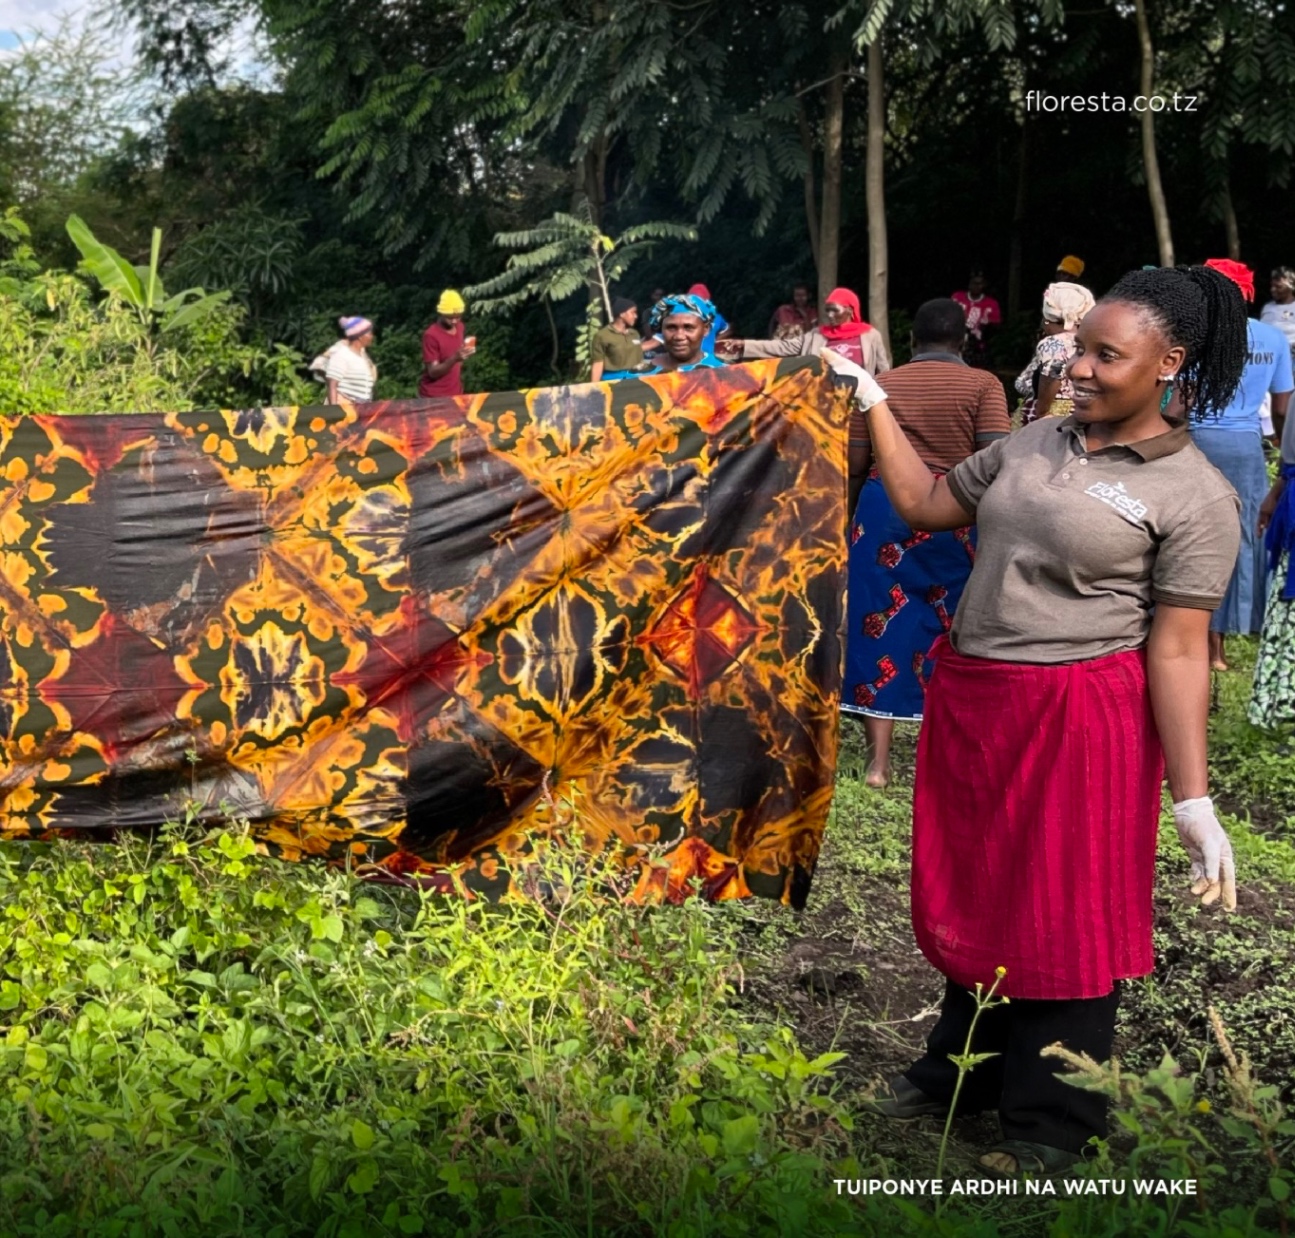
(445, 349)
(982, 314)
(795, 318)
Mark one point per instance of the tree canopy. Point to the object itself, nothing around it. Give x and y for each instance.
(889, 145)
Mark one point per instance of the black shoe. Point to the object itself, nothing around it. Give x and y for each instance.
(901, 1099)
(1038, 1159)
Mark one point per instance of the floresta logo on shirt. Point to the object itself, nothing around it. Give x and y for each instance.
(1118, 497)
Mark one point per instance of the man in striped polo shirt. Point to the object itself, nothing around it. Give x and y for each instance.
(905, 586)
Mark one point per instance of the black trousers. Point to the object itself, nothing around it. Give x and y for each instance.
(1032, 1103)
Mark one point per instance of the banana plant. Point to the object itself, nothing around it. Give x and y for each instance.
(140, 287)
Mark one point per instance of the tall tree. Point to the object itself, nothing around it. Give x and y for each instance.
(829, 237)
(1236, 60)
(875, 192)
(417, 102)
(925, 26)
(1147, 125)
(818, 60)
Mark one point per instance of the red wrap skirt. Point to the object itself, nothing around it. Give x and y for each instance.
(1035, 809)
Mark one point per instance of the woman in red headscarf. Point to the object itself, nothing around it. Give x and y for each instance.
(843, 332)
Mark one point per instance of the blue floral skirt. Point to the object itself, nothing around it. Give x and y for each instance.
(904, 588)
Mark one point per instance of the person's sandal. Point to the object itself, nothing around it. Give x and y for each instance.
(1038, 1159)
(903, 1100)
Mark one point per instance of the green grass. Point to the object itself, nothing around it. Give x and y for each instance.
(198, 1040)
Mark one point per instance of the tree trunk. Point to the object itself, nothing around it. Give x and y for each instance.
(594, 167)
(812, 223)
(829, 237)
(601, 293)
(1016, 248)
(875, 192)
(1151, 165)
(553, 335)
(1230, 219)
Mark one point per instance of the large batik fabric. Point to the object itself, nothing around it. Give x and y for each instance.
(428, 635)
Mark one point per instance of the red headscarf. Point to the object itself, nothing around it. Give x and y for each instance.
(847, 330)
(1237, 272)
(700, 290)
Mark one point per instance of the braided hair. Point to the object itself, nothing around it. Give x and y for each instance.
(1199, 310)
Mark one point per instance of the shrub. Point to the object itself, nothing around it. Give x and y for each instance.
(204, 1040)
(65, 350)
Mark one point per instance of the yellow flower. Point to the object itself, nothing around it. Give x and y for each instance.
(1203, 1106)
(1000, 972)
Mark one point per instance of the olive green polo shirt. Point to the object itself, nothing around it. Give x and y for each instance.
(1075, 547)
(616, 350)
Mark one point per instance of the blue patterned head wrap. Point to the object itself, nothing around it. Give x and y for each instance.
(681, 303)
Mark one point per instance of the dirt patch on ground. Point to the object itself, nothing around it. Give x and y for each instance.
(1264, 818)
(854, 982)
(852, 985)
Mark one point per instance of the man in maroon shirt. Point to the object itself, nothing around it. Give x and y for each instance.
(445, 349)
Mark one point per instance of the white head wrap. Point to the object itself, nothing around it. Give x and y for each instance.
(1067, 304)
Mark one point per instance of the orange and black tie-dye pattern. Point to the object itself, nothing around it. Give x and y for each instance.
(428, 634)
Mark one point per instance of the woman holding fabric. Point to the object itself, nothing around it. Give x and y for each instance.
(844, 333)
(683, 322)
(1077, 676)
(1043, 382)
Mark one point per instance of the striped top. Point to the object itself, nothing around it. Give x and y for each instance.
(943, 406)
(353, 372)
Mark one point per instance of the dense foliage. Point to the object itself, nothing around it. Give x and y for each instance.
(64, 349)
(392, 145)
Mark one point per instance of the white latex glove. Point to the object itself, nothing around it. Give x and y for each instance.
(1210, 849)
(868, 392)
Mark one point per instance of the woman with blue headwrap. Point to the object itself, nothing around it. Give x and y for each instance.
(683, 320)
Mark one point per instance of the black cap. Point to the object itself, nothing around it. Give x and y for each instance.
(622, 305)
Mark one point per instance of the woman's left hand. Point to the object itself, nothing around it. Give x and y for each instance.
(1210, 849)
(1267, 509)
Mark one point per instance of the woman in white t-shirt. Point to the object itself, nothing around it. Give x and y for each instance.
(350, 373)
(1280, 311)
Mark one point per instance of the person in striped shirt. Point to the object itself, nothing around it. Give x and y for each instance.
(351, 374)
(904, 588)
